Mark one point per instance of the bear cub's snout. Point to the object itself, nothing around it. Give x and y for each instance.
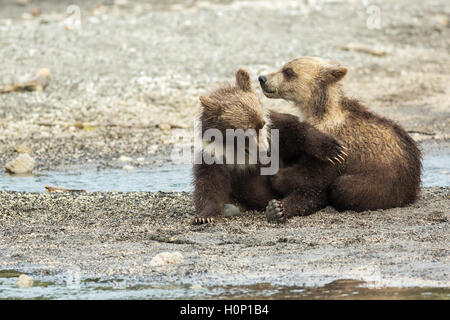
(262, 79)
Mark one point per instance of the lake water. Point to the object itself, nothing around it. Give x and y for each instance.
(60, 287)
(164, 178)
(170, 177)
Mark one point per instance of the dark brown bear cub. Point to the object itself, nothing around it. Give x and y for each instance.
(383, 166)
(309, 154)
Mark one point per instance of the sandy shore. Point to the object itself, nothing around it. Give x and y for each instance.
(117, 235)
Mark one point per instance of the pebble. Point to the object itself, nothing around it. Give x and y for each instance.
(35, 12)
(167, 258)
(152, 149)
(230, 210)
(22, 2)
(21, 148)
(24, 163)
(25, 281)
(164, 126)
(441, 19)
(124, 159)
(128, 167)
(121, 3)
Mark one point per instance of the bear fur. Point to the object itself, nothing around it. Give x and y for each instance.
(383, 166)
(310, 157)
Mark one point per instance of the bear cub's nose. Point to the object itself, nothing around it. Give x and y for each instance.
(262, 79)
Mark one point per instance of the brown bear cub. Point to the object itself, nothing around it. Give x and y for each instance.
(383, 166)
(310, 154)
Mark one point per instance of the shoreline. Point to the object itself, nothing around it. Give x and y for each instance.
(117, 234)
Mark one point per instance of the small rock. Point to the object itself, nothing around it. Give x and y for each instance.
(128, 167)
(35, 12)
(35, 82)
(24, 281)
(441, 19)
(22, 2)
(21, 148)
(45, 134)
(39, 80)
(230, 210)
(121, 3)
(164, 126)
(153, 149)
(196, 287)
(24, 163)
(167, 258)
(124, 159)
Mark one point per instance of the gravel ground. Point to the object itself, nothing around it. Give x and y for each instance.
(134, 69)
(118, 234)
(143, 64)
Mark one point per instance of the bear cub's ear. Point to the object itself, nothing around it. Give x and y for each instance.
(208, 103)
(243, 80)
(333, 72)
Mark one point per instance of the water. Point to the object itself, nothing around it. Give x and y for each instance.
(167, 178)
(47, 287)
(436, 170)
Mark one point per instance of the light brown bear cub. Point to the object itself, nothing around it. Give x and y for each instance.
(308, 152)
(383, 166)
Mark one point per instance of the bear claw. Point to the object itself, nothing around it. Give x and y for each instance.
(342, 153)
(204, 220)
(340, 157)
(275, 211)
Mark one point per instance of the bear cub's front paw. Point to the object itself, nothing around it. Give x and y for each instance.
(275, 211)
(330, 150)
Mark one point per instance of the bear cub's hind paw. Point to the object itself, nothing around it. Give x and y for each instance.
(204, 220)
(275, 211)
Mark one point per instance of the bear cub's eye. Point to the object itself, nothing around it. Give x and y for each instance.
(289, 73)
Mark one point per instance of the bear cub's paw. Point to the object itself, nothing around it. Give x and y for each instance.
(204, 219)
(275, 211)
(329, 150)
